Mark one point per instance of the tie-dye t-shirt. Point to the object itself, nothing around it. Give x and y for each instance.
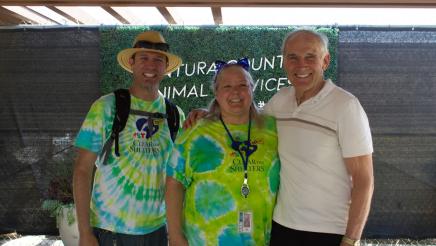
(128, 192)
(212, 174)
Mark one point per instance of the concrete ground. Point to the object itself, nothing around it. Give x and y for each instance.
(41, 240)
(37, 240)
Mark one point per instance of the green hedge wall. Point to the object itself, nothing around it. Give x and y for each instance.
(199, 47)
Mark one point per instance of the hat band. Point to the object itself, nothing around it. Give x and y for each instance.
(154, 46)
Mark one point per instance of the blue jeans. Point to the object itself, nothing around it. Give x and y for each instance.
(109, 238)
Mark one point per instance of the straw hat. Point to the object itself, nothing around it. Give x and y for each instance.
(149, 41)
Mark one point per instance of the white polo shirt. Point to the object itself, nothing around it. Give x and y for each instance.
(314, 137)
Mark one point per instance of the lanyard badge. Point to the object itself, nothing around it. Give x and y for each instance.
(244, 188)
(248, 149)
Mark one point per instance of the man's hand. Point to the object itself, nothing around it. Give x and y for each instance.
(178, 240)
(88, 239)
(194, 116)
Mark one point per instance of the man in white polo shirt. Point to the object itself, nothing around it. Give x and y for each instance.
(325, 148)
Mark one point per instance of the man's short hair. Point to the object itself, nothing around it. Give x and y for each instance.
(321, 36)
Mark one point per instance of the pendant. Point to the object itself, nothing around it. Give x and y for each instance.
(245, 190)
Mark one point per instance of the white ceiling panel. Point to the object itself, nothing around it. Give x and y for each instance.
(329, 16)
(192, 15)
(299, 16)
(90, 15)
(51, 14)
(141, 15)
(29, 14)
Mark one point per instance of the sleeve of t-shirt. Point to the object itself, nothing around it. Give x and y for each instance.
(90, 136)
(177, 167)
(353, 131)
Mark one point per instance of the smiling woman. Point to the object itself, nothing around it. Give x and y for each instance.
(211, 178)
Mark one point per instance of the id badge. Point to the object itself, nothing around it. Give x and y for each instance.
(245, 222)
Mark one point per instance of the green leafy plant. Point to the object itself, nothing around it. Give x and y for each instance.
(60, 192)
(54, 207)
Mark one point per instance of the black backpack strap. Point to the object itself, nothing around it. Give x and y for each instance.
(122, 110)
(173, 118)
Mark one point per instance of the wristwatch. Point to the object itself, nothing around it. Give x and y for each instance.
(349, 241)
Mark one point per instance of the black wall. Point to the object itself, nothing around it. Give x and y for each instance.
(48, 79)
(393, 73)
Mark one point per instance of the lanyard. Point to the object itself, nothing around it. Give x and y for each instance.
(242, 147)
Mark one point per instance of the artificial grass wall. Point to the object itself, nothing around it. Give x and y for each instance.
(189, 86)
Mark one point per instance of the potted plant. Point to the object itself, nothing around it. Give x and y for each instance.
(60, 202)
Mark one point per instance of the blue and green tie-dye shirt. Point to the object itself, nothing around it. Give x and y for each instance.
(128, 192)
(212, 173)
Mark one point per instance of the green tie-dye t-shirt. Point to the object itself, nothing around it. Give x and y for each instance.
(128, 192)
(212, 173)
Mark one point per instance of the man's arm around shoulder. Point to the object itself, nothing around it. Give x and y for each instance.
(82, 180)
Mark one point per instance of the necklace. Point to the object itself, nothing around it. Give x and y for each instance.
(240, 147)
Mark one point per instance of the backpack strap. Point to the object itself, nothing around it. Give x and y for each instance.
(173, 118)
(122, 110)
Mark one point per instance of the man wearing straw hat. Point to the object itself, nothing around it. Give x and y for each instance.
(126, 205)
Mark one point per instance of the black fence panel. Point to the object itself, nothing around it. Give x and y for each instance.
(393, 73)
(48, 79)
